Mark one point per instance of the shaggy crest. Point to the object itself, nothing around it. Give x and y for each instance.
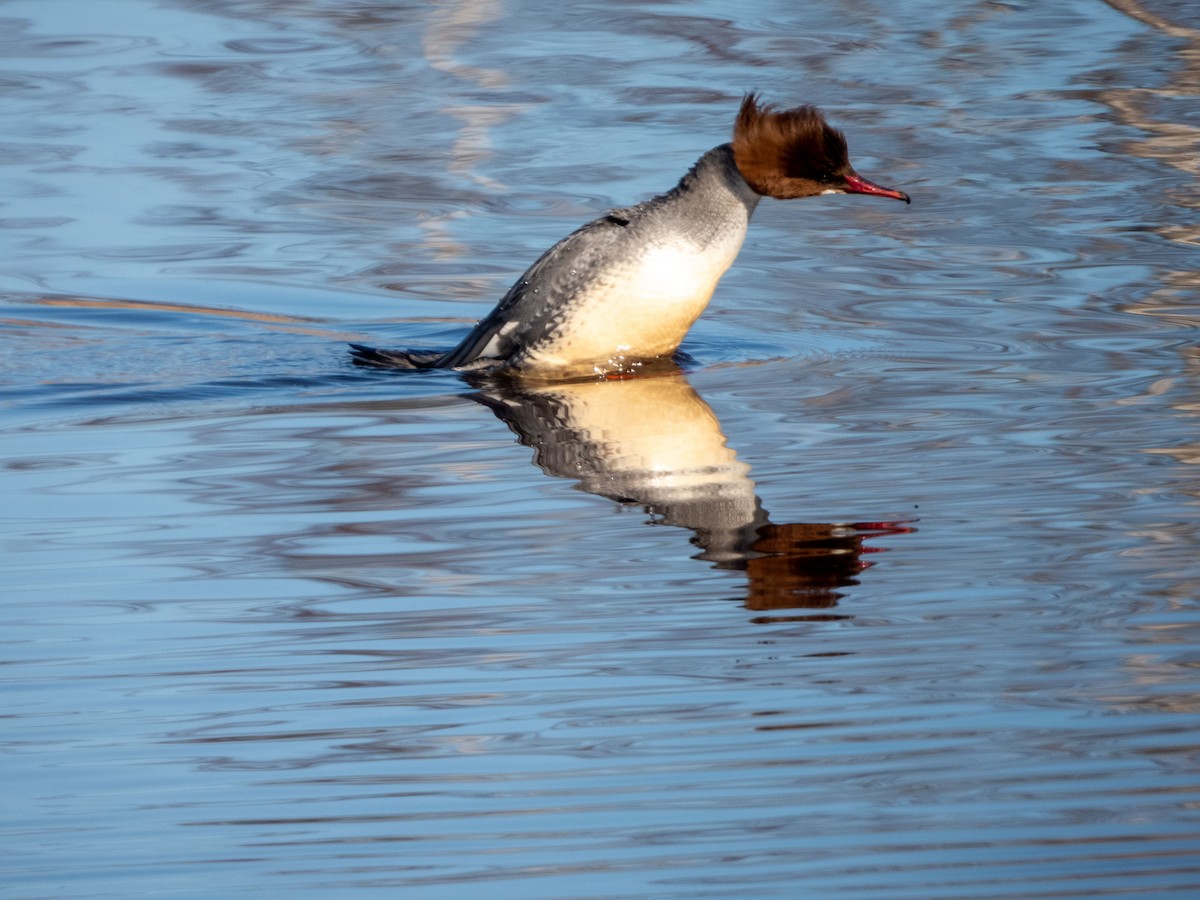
(788, 153)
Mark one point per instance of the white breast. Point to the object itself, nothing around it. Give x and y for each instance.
(641, 309)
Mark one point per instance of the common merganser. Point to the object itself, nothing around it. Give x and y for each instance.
(624, 289)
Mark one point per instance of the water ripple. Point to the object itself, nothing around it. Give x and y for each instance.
(890, 594)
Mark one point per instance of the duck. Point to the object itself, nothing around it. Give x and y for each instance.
(623, 290)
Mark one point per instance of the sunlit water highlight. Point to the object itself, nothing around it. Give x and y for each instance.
(892, 594)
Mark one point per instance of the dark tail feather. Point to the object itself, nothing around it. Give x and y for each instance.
(394, 359)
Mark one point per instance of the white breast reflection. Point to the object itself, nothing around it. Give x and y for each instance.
(653, 442)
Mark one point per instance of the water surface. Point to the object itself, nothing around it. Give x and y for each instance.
(893, 593)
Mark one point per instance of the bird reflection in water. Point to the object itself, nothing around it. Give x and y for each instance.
(653, 442)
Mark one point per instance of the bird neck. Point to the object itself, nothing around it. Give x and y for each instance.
(710, 200)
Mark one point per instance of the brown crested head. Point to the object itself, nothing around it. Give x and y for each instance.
(794, 153)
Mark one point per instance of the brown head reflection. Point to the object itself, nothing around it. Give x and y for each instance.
(802, 564)
(655, 443)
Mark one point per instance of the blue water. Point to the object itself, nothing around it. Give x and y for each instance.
(894, 593)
